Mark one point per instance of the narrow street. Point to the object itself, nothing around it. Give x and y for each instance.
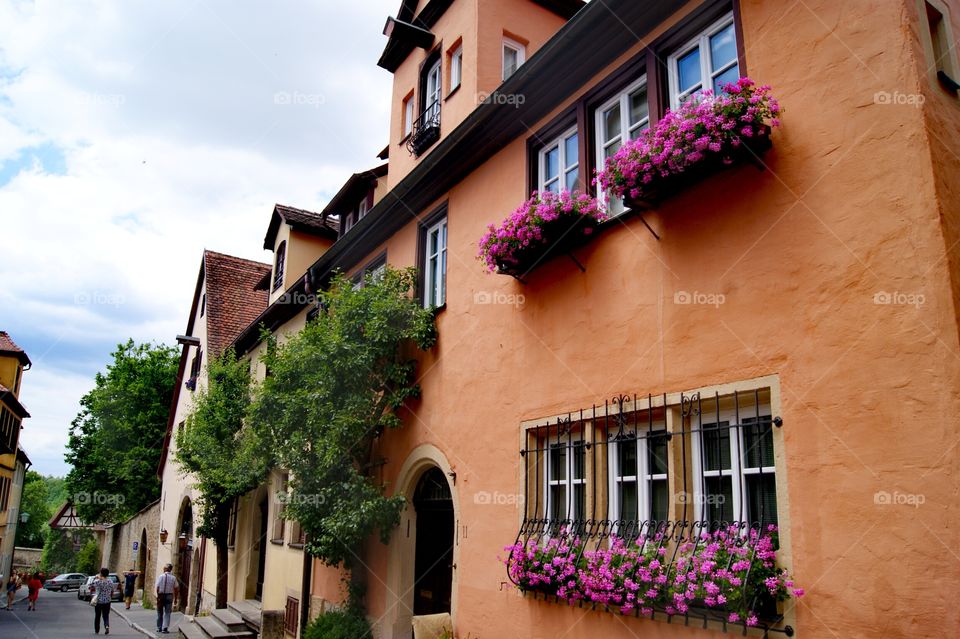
(59, 615)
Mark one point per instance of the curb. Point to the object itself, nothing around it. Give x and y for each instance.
(136, 626)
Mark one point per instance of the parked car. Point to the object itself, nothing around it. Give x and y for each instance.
(83, 593)
(66, 581)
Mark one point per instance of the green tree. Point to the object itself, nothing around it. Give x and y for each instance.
(32, 533)
(56, 491)
(116, 439)
(88, 559)
(61, 548)
(221, 461)
(333, 390)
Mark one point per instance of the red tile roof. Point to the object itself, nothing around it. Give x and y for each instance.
(233, 301)
(7, 345)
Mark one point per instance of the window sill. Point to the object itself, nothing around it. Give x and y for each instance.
(296, 546)
(276, 542)
(452, 91)
(404, 139)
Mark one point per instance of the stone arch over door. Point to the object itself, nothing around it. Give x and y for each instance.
(183, 552)
(401, 567)
(142, 561)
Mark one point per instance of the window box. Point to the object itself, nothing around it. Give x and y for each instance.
(704, 135)
(546, 225)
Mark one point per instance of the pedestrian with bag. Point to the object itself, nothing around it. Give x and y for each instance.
(167, 591)
(101, 593)
(13, 584)
(33, 591)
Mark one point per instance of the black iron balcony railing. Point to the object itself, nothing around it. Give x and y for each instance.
(426, 129)
(655, 477)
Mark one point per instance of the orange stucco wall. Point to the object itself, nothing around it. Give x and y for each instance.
(859, 201)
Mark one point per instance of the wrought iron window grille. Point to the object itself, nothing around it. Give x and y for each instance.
(714, 459)
(426, 130)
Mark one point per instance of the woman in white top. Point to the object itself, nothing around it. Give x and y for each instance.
(102, 593)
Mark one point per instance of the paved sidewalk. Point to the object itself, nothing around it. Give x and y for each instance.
(144, 620)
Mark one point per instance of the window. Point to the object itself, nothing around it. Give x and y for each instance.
(640, 466)
(621, 118)
(559, 163)
(372, 270)
(278, 265)
(232, 524)
(362, 208)
(203, 304)
(566, 482)
(291, 616)
(435, 263)
(279, 523)
(297, 534)
(514, 54)
(431, 100)
(456, 68)
(941, 41)
(4, 493)
(709, 61)
(408, 115)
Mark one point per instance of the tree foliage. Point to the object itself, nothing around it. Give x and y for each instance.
(60, 550)
(212, 448)
(34, 502)
(88, 559)
(333, 389)
(116, 439)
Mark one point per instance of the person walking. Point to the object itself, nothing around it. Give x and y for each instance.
(101, 591)
(13, 584)
(129, 585)
(33, 591)
(167, 590)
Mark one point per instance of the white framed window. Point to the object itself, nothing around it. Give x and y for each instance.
(734, 470)
(362, 208)
(456, 68)
(435, 265)
(559, 163)
(408, 115)
(514, 54)
(639, 489)
(566, 481)
(623, 117)
(709, 61)
(434, 86)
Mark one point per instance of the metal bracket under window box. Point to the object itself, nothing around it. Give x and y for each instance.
(568, 234)
(426, 130)
(749, 151)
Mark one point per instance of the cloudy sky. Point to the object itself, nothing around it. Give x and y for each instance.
(134, 134)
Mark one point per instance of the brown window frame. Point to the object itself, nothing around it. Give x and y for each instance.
(291, 616)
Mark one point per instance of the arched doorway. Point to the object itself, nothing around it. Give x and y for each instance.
(142, 560)
(181, 569)
(433, 560)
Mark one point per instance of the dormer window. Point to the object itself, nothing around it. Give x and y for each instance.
(514, 55)
(362, 209)
(278, 265)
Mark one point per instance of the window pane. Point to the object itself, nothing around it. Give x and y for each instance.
(611, 123)
(553, 186)
(730, 75)
(657, 455)
(579, 460)
(558, 463)
(723, 48)
(551, 163)
(628, 501)
(719, 499)
(627, 458)
(571, 181)
(571, 151)
(639, 110)
(758, 442)
(716, 446)
(762, 499)
(659, 500)
(558, 502)
(611, 150)
(509, 62)
(579, 501)
(688, 70)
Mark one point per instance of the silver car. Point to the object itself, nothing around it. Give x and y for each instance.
(84, 594)
(66, 581)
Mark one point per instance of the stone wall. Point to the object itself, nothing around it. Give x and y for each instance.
(117, 551)
(26, 558)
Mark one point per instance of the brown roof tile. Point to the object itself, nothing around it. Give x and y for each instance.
(7, 345)
(233, 301)
(300, 220)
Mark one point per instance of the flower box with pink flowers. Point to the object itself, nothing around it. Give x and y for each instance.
(546, 225)
(704, 135)
(729, 575)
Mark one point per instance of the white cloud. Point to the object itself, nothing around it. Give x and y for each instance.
(172, 122)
